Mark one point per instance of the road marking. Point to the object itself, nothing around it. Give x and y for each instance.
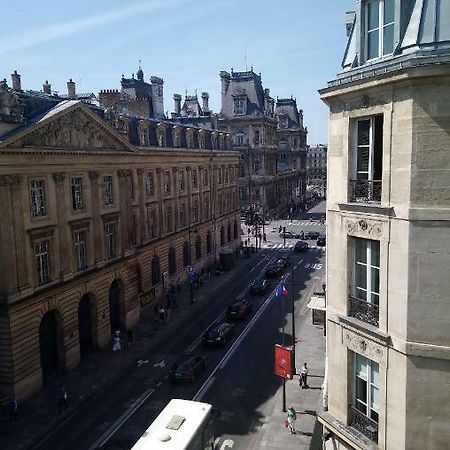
(160, 364)
(106, 436)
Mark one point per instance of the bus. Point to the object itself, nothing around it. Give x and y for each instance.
(181, 425)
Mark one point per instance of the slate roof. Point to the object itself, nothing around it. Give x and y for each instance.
(288, 107)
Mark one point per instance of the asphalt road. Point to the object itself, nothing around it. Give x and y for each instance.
(239, 381)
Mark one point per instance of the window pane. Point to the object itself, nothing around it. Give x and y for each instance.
(375, 398)
(388, 11)
(375, 373)
(375, 253)
(361, 276)
(375, 280)
(361, 390)
(361, 250)
(373, 19)
(388, 39)
(375, 298)
(374, 416)
(361, 366)
(363, 132)
(372, 45)
(361, 293)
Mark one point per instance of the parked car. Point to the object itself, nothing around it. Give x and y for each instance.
(321, 241)
(274, 270)
(259, 286)
(311, 235)
(240, 309)
(218, 333)
(301, 246)
(187, 367)
(284, 260)
(288, 235)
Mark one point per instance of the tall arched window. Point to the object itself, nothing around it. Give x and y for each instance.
(208, 243)
(156, 271)
(198, 248)
(235, 230)
(222, 236)
(229, 232)
(172, 261)
(186, 253)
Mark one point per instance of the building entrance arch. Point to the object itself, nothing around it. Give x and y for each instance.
(51, 344)
(115, 295)
(86, 325)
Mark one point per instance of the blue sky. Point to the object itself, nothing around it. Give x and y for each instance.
(297, 45)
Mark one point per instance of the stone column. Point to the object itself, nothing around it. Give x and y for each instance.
(189, 195)
(200, 195)
(177, 199)
(142, 220)
(64, 238)
(124, 202)
(96, 207)
(160, 193)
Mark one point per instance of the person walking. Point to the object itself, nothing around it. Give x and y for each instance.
(291, 417)
(12, 410)
(117, 346)
(62, 398)
(304, 376)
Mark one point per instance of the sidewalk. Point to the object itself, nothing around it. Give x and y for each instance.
(39, 414)
(310, 348)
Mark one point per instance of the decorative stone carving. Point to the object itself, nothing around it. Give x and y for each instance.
(365, 228)
(75, 130)
(59, 177)
(124, 173)
(93, 175)
(7, 180)
(363, 346)
(140, 171)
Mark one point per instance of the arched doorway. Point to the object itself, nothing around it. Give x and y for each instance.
(172, 261)
(114, 306)
(86, 326)
(49, 344)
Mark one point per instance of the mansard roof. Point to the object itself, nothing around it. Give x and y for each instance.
(288, 107)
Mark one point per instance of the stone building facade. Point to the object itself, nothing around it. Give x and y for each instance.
(269, 177)
(388, 231)
(95, 225)
(316, 169)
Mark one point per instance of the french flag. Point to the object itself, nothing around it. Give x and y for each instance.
(281, 291)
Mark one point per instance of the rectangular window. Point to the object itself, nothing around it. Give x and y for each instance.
(110, 234)
(80, 249)
(379, 27)
(107, 190)
(195, 210)
(37, 192)
(77, 194)
(167, 182)
(149, 184)
(41, 255)
(207, 215)
(367, 270)
(367, 387)
(194, 178)
(205, 177)
(181, 180)
(239, 107)
(143, 137)
(239, 139)
(183, 215)
(169, 219)
(151, 219)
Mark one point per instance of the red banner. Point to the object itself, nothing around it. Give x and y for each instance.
(283, 362)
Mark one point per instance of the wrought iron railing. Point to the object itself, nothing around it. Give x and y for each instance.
(363, 310)
(365, 191)
(364, 424)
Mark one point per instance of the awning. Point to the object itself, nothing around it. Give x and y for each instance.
(317, 303)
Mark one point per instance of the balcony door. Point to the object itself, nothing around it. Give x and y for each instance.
(369, 151)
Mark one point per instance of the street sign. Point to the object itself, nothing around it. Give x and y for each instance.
(283, 362)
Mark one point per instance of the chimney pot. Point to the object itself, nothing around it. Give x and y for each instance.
(47, 88)
(16, 84)
(71, 89)
(177, 103)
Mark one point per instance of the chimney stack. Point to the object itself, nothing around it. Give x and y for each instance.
(47, 88)
(205, 98)
(71, 89)
(225, 78)
(177, 101)
(16, 85)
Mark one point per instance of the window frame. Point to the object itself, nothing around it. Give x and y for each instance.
(42, 261)
(111, 240)
(239, 106)
(108, 190)
(77, 193)
(149, 183)
(80, 249)
(369, 267)
(38, 198)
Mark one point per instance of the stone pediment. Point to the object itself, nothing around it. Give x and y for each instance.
(75, 129)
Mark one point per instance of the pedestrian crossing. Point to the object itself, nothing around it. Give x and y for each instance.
(268, 245)
(305, 223)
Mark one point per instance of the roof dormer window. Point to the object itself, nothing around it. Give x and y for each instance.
(239, 106)
(379, 27)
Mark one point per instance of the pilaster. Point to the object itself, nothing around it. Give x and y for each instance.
(160, 190)
(177, 198)
(98, 239)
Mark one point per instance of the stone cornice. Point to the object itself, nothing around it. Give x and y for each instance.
(7, 180)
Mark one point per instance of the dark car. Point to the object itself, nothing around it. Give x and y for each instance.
(284, 260)
(259, 286)
(301, 246)
(274, 270)
(321, 241)
(288, 235)
(187, 367)
(218, 334)
(240, 309)
(311, 235)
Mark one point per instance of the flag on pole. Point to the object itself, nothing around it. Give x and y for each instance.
(281, 291)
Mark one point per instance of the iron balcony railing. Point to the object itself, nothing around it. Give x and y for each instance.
(365, 191)
(364, 424)
(363, 310)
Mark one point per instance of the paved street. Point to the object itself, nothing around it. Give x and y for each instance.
(112, 404)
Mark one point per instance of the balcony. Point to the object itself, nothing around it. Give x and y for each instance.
(365, 191)
(363, 310)
(364, 424)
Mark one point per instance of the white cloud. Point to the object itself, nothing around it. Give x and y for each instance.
(53, 32)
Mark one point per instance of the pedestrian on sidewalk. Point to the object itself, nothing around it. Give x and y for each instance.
(304, 377)
(291, 417)
(62, 398)
(12, 410)
(264, 237)
(178, 284)
(117, 346)
(130, 338)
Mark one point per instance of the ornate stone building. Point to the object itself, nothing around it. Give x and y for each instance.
(316, 169)
(271, 148)
(388, 231)
(96, 220)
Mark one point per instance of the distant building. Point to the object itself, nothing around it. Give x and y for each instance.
(271, 148)
(388, 231)
(316, 169)
(101, 210)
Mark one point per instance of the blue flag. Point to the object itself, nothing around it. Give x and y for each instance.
(281, 291)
